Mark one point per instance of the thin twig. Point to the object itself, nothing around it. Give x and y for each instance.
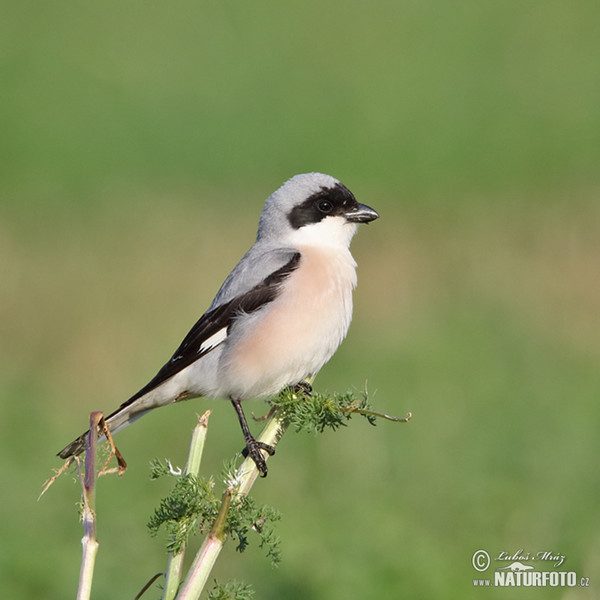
(89, 541)
(148, 585)
(57, 474)
(374, 413)
(114, 451)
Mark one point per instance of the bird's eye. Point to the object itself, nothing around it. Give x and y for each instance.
(325, 206)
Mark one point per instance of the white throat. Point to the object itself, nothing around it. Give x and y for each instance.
(332, 231)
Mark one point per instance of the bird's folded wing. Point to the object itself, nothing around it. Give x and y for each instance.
(212, 328)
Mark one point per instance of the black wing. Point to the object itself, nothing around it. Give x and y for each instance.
(212, 322)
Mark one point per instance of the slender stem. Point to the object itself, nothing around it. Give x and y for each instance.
(89, 542)
(245, 477)
(375, 413)
(175, 565)
(173, 574)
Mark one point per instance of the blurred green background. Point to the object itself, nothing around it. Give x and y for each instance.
(138, 141)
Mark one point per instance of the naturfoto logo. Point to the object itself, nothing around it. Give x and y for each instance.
(512, 569)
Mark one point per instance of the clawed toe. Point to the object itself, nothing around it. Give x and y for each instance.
(253, 450)
(303, 387)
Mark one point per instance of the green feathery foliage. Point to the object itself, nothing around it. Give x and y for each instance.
(248, 516)
(232, 590)
(314, 412)
(193, 506)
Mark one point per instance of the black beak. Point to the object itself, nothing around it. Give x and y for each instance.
(361, 213)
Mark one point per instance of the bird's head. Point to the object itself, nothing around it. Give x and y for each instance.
(312, 208)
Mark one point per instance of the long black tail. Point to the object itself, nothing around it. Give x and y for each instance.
(75, 448)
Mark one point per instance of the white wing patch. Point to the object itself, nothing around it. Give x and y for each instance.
(213, 341)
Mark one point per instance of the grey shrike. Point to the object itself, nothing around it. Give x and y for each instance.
(278, 317)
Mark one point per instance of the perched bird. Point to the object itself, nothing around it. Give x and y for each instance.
(278, 317)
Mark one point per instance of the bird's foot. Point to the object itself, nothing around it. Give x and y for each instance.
(303, 387)
(254, 449)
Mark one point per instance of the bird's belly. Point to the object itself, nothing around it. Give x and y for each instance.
(297, 333)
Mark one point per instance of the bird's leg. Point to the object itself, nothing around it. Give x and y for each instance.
(253, 448)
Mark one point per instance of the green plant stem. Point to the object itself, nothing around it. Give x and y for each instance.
(245, 477)
(207, 555)
(89, 542)
(175, 565)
